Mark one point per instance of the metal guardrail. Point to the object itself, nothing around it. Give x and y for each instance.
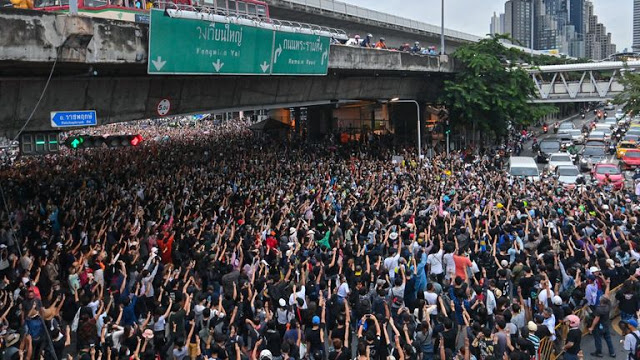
(357, 11)
(338, 33)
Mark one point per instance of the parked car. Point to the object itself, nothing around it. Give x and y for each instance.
(576, 136)
(523, 167)
(591, 155)
(568, 175)
(608, 174)
(630, 159)
(558, 159)
(567, 125)
(547, 147)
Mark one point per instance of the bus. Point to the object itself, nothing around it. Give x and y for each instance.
(138, 10)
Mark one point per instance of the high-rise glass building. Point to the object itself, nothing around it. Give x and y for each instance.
(636, 25)
(517, 21)
(568, 26)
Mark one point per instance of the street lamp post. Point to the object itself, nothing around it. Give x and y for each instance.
(397, 100)
(442, 29)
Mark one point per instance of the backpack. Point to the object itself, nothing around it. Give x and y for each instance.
(364, 305)
(636, 351)
(378, 305)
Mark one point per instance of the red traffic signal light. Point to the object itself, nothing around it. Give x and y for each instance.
(137, 139)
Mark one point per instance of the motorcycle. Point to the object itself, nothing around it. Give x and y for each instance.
(545, 129)
(555, 128)
(582, 115)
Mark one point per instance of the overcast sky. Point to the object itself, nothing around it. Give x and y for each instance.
(474, 16)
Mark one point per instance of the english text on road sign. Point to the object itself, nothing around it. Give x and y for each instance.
(198, 47)
(73, 118)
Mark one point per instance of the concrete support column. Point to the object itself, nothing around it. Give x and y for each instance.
(297, 119)
(319, 122)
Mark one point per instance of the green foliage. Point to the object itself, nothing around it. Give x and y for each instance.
(630, 97)
(490, 88)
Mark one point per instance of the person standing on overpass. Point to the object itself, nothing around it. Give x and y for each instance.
(381, 44)
(367, 41)
(416, 47)
(354, 42)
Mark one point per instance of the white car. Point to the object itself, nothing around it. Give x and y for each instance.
(559, 159)
(568, 174)
(576, 136)
(567, 125)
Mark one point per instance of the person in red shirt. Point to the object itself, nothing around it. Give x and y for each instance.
(462, 263)
(272, 242)
(165, 245)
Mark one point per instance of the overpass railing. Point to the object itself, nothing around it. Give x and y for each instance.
(231, 17)
(357, 11)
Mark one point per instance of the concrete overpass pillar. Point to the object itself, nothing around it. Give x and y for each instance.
(297, 119)
(403, 118)
(319, 122)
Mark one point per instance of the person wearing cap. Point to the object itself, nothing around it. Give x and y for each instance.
(571, 347)
(315, 336)
(532, 328)
(631, 335)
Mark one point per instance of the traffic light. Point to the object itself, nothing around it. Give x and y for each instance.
(88, 141)
(74, 142)
(137, 139)
(447, 128)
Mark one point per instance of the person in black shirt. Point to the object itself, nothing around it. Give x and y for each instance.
(572, 346)
(315, 334)
(372, 339)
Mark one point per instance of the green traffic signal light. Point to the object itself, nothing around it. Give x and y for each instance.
(75, 142)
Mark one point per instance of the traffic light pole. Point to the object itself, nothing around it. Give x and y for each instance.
(447, 143)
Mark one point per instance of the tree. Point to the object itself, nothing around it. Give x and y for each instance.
(630, 97)
(490, 88)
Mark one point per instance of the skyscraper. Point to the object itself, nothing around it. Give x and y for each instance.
(517, 21)
(569, 26)
(636, 25)
(497, 24)
(598, 44)
(576, 15)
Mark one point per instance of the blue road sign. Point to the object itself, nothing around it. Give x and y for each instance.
(74, 118)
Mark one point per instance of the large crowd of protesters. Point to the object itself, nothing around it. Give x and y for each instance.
(208, 243)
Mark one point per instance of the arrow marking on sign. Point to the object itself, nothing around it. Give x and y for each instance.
(324, 56)
(218, 65)
(264, 66)
(277, 54)
(158, 63)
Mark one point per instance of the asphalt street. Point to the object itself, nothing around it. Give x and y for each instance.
(588, 345)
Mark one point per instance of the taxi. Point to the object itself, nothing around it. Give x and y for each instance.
(623, 146)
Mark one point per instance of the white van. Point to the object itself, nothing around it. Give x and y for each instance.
(522, 166)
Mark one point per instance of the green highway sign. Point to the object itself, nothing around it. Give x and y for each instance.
(302, 54)
(198, 47)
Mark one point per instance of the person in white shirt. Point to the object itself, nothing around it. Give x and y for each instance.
(391, 262)
(550, 322)
(435, 263)
(431, 297)
(355, 41)
(631, 336)
(299, 294)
